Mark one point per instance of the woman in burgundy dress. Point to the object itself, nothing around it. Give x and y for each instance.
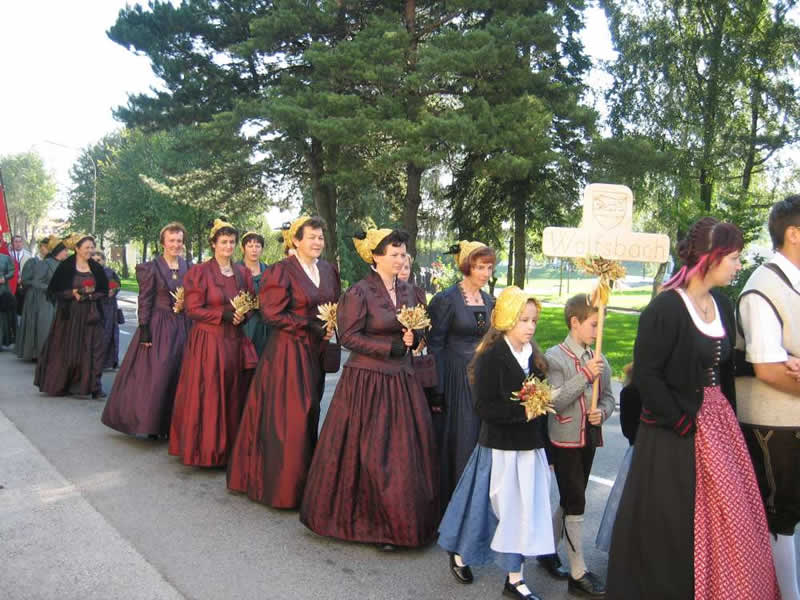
(278, 432)
(374, 476)
(144, 389)
(72, 359)
(218, 357)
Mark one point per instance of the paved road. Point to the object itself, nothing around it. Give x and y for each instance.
(89, 513)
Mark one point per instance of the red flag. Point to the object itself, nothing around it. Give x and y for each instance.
(5, 227)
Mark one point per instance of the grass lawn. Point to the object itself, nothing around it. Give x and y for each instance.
(130, 284)
(544, 283)
(620, 333)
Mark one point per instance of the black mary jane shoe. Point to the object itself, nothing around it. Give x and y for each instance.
(588, 586)
(462, 574)
(99, 395)
(511, 590)
(552, 564)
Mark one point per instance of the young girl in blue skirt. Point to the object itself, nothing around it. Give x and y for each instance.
(500, 510)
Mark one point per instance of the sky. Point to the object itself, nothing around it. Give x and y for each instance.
(62, 76)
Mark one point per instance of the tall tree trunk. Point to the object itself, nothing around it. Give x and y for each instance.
(519, 236)
(510, 272)
(144, 250)
(413, 107)
(125, 271)
(324, 196)
(658, 279)
(711, 108)
(188, 247)
(706, 189)
(750, 157)
(411, 206)
(199, 257)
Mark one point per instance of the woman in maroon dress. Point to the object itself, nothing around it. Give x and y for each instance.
(72, 359)
(218, 357)
(278, 432)
(374, 476)
(144, 389)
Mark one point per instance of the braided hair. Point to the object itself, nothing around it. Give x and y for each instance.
(707, 242)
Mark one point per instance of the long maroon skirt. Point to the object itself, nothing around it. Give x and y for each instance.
(210, 395)
(72, 359)
(143, 393)
(375, 475)
(278, 431)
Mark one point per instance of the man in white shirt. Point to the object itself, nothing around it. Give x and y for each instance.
(768, 401)
(19, 253)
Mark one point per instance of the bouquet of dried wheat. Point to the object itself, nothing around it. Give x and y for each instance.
(608, 271)
(244, 302)
(536, 396)
(414, 318)
(177, 295)
(327, 314)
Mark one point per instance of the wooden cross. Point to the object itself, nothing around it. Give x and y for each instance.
(606, 232)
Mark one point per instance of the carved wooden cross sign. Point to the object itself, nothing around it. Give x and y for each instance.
(606, 232)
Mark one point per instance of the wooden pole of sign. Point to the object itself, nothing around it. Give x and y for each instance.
(598, 349)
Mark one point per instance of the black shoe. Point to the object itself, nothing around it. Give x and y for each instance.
(462, 574)
(588, 585)
(512, 591)
(99, 395)
(552, 564)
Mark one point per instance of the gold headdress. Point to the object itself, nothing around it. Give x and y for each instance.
(466, 248)
(218, 224)
(290, 230)
(365, 246)
(508, 307)
(71, 242)
(51, 242)
(251, 234)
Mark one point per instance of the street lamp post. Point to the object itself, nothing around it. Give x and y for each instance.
(94, 196)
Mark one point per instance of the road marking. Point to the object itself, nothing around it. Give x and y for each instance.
(602, 480)
(125, 332)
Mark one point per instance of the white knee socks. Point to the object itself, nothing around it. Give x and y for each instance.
(574, 527)
(783, 553)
